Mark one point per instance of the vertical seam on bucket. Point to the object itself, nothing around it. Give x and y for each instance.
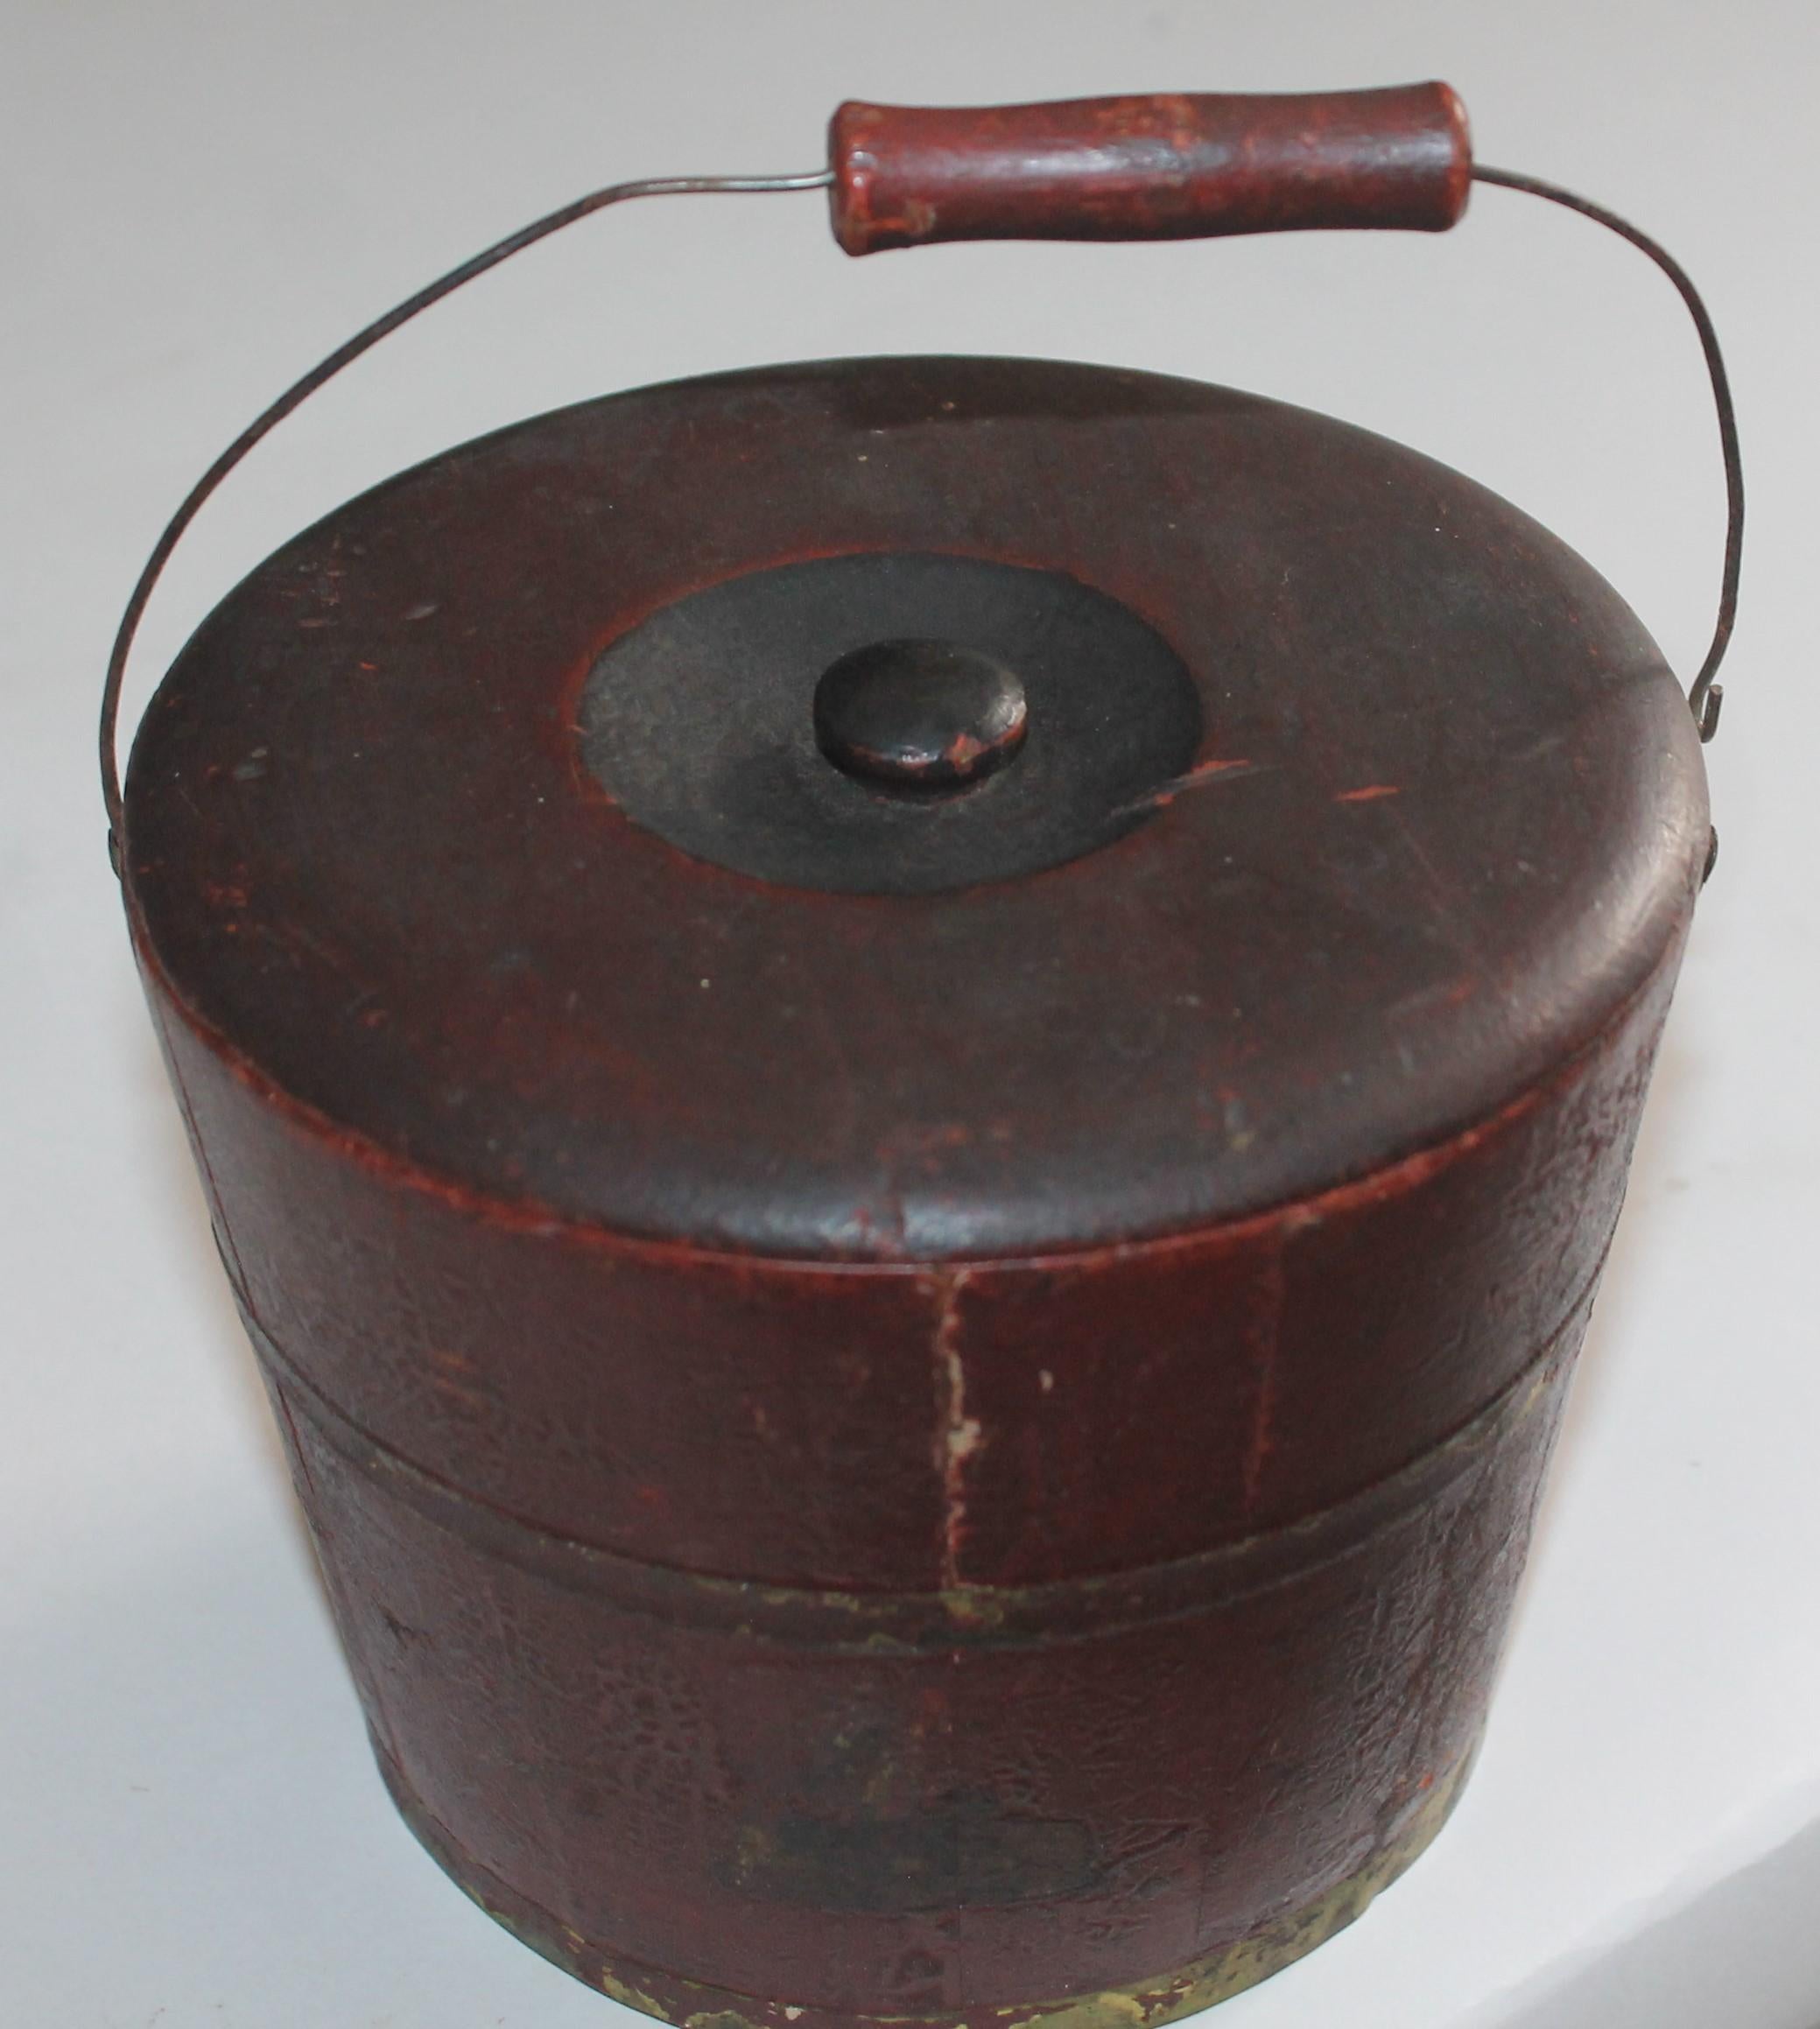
(1263, 1336)
(957, 1436)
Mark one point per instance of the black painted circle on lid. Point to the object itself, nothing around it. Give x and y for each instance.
(704, 721)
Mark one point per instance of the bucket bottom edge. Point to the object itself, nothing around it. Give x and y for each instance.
(691, 2003)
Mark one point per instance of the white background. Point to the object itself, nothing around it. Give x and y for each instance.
(198, 200)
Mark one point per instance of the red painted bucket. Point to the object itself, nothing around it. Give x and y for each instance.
(914, 1073)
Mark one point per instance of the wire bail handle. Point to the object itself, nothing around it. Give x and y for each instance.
(1169, 166)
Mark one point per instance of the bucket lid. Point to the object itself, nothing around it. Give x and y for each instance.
(913, 808)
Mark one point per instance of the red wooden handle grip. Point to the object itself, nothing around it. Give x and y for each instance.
(1163, 168)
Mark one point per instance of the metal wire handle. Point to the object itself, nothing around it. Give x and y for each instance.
(1704, 698)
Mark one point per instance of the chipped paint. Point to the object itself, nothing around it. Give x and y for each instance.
(973, 1606)
(616, 1989)
(1200, 776)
